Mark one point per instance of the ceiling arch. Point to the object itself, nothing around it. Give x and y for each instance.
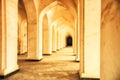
(60, 21)
(71, 5)
(59, 15)
(56, 10)
(30, 11)
(61, 12)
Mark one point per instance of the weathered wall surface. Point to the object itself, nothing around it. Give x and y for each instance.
(110, 40)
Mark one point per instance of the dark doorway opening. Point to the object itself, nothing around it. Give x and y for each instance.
(69, 41)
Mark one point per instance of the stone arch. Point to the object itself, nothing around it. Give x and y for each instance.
(41, 18)
(45, 11)
(71, 7)
(30, 7)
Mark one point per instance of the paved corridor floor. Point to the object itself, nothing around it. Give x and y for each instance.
(58, 66)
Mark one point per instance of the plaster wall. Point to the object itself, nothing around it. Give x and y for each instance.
(110, 40)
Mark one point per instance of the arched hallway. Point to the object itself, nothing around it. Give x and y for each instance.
(58, 66)
(40, 27)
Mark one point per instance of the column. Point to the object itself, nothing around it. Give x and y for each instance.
(56, 39)
(34, 31)
(76, 39)
(9, 37)
(92, 18)
(47, 40)
(62, 39)
(61, 36)
(53, 39)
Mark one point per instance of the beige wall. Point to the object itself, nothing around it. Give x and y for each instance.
(110, 40)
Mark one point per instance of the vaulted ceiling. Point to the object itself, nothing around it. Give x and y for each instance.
(59, 12)
(62, 12)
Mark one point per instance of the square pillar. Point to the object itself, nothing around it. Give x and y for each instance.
(34, 41)
(91, 58)
(53, 39)
(9, 37)
(47, 40)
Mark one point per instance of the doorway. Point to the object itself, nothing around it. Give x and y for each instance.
(69, 41)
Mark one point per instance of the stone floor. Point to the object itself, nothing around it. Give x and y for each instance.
(58, 66)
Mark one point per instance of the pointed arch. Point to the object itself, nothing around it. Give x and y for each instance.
(31, 11)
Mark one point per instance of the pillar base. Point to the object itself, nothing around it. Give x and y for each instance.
(34, 58)
(58, 49)
(23, 53)
(77, 60)
(84, 76)
(49, 53)
(53, 51)
(89, 79)
(6, 76)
